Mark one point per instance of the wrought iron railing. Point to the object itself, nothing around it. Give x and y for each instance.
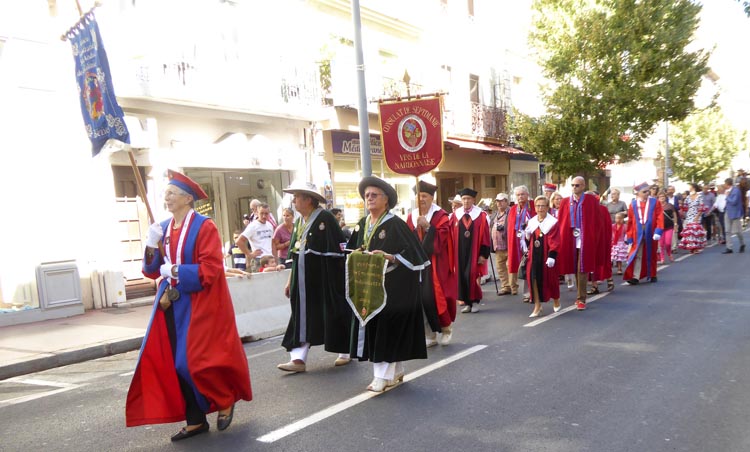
(488, 121)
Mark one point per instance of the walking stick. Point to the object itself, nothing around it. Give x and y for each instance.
(494, 277)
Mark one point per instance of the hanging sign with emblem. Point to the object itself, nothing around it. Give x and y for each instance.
(412, 135)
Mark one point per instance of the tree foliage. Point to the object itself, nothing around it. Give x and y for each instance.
(746, 4)
(617, 68)
(702, 145)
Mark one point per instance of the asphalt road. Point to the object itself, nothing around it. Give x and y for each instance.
(656, 367)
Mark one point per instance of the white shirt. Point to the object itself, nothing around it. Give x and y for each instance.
(721, 202)
(259, 236)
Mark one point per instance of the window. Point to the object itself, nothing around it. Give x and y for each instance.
(474, 88)
(490, 181)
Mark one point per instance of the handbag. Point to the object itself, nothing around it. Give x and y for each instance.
(522, 264)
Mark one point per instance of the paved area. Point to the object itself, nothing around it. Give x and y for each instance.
(32, 347)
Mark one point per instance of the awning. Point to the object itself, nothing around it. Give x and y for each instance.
(482, 146)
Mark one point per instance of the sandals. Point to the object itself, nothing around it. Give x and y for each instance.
(610, 285)
(527, 298)
(593, 290)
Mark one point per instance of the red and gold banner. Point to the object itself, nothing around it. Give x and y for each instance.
(412, 135)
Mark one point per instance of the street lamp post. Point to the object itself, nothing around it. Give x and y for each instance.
(364, 121)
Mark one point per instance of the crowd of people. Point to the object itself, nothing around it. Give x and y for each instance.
(432, 263)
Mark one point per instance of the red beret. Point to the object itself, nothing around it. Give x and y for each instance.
(550, 187)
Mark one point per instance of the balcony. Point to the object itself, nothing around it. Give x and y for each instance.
(488, 122)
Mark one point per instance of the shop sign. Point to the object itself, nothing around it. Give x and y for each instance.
(347, 143)
(412, 134)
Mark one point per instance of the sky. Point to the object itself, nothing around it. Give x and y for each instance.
(725, 25)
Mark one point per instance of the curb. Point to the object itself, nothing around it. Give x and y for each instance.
(70, 357)
(97, 351)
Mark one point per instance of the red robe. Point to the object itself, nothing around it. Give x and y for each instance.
(642, 235)
(444, 275)
(591, 228)
(208, 350)
(604, 266)
(514, 225)
(480, 246)
(548, 234)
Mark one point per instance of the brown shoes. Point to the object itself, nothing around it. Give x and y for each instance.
(293, 366)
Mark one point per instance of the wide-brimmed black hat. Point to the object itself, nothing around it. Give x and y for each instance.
(372, 181)
(425, 187)
(468, 192)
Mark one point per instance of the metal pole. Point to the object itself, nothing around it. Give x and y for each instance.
(666, 157)
(364, 122)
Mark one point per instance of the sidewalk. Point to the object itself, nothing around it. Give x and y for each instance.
(38, 346)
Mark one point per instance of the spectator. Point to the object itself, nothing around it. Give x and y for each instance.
(670, 218)
(231, 249)
(619, 247)
(500, 242)
(709, 199)
(719, 206)
(734, 214)
(339, 214)
(258, 235)
(269, 264)
(282, 237)
(615, 205)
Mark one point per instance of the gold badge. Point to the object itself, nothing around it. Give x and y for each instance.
(322, 226)
(381, 236)
(297, 244)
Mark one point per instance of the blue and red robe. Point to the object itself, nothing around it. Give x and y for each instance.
(642, 235)
(208, 351)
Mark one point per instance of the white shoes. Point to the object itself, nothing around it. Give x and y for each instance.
(378, 384)
(431, 339)
(475, 308)
(466, 309)
(557, 308)
(536, 314)
(447, 334)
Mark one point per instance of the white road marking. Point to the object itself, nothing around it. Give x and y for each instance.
(267, 352)
(127, 374)
(61, 387)
(341, 406)
(572, 307)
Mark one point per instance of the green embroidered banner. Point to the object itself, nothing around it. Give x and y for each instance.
(365, 284)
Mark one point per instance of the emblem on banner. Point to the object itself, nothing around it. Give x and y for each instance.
(412, 133)
(381, 236)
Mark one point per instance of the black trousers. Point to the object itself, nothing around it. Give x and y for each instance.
(193, 413)
(708, 225)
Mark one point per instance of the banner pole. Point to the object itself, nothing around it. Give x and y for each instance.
(142, 192)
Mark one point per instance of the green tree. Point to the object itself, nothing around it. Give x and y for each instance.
(746, 4)
(702, 145)
(617, 68)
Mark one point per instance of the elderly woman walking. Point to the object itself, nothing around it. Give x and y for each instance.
(396, 333)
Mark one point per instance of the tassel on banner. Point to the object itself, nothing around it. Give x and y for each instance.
(84, 17)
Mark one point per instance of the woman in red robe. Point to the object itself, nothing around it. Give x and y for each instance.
(543, 241)
(192, 361)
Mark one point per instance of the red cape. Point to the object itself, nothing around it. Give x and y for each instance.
(480, 236)
(639, 237)
(514, 243)
(208, 350)
(604, 266)
(551, 280)
(592, 228)
(444, 275)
